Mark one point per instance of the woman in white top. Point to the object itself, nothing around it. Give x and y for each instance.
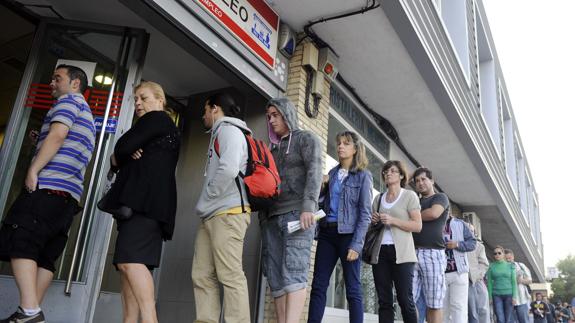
(399, 212)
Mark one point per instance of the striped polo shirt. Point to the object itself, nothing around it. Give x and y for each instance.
(65, 172)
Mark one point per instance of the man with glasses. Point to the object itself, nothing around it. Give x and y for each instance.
(521, 308)
(429, 277)
(35, 230)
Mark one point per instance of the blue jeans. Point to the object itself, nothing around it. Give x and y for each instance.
(421, 307)
(478, 301)
(503, 307)
(521, 313)
(332, 246)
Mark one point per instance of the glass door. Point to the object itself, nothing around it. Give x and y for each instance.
(112, 58)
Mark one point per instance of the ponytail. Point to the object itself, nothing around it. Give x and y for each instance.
(226, 103)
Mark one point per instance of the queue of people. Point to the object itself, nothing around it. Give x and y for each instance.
(417, 246)
(546, 312)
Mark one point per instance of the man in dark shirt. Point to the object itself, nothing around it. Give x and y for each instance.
(429, 275)
(539, 309)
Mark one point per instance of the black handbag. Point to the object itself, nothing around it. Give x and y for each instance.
(371, 236)
(109, 202)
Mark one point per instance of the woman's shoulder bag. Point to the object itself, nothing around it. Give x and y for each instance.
(371, 236)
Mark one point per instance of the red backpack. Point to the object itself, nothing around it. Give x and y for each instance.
(261, 179)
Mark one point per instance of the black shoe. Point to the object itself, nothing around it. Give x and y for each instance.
(20, 317)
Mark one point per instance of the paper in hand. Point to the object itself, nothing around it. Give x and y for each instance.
(293, 226)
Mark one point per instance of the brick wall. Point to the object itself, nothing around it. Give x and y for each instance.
(296, 93)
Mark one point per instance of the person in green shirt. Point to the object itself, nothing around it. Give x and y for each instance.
(502, 286)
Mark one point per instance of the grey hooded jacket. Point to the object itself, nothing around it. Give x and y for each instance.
(478, 263)
(220, 191)
(298, 157)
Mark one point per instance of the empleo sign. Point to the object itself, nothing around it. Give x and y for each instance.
(252, 22)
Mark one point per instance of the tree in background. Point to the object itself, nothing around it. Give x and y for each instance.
(564, 286)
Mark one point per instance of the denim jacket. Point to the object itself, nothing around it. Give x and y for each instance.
(354, 212)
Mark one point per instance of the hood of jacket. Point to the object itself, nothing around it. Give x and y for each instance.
(288, 112)
(233, 121)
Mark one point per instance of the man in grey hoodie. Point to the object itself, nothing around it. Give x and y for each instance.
(286, 256)
(220, 237)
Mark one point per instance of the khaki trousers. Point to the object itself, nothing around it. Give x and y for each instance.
(218, 259)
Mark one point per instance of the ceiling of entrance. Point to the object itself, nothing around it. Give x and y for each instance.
(374, 61)
(166, 62)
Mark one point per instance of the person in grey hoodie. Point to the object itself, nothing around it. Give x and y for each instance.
(220, 237)
(286, 256)
(478, 297)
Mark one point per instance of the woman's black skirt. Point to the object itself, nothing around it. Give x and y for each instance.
(139, 241)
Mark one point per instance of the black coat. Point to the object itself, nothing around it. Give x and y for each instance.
(148, 184)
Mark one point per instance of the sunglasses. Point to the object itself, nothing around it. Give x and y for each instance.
(497, 253)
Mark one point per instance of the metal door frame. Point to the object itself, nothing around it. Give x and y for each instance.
(84, 293)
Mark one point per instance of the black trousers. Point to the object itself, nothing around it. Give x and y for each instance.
(388, 274)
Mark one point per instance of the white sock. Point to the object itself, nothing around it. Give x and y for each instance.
(30, 312)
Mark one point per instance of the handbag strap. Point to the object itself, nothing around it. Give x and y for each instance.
(378, 208)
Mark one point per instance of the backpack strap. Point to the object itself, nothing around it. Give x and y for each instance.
(241, 196)
(264, 157)
(240, 174)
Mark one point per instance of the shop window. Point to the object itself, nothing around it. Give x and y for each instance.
(358, 120)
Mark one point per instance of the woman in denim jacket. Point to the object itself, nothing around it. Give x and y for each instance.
(347, 203)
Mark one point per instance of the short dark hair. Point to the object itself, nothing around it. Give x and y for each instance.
(508, 252)
(423, 170)
(76, 73)
(226, 102)
(400, 166)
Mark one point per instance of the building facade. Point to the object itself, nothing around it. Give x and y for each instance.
(418, 80)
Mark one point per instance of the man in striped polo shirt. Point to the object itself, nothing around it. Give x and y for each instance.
(35, 230)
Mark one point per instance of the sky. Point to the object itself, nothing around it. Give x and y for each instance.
(534, 41)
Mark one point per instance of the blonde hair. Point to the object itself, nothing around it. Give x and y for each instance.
(156, 89)
(360, 160)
